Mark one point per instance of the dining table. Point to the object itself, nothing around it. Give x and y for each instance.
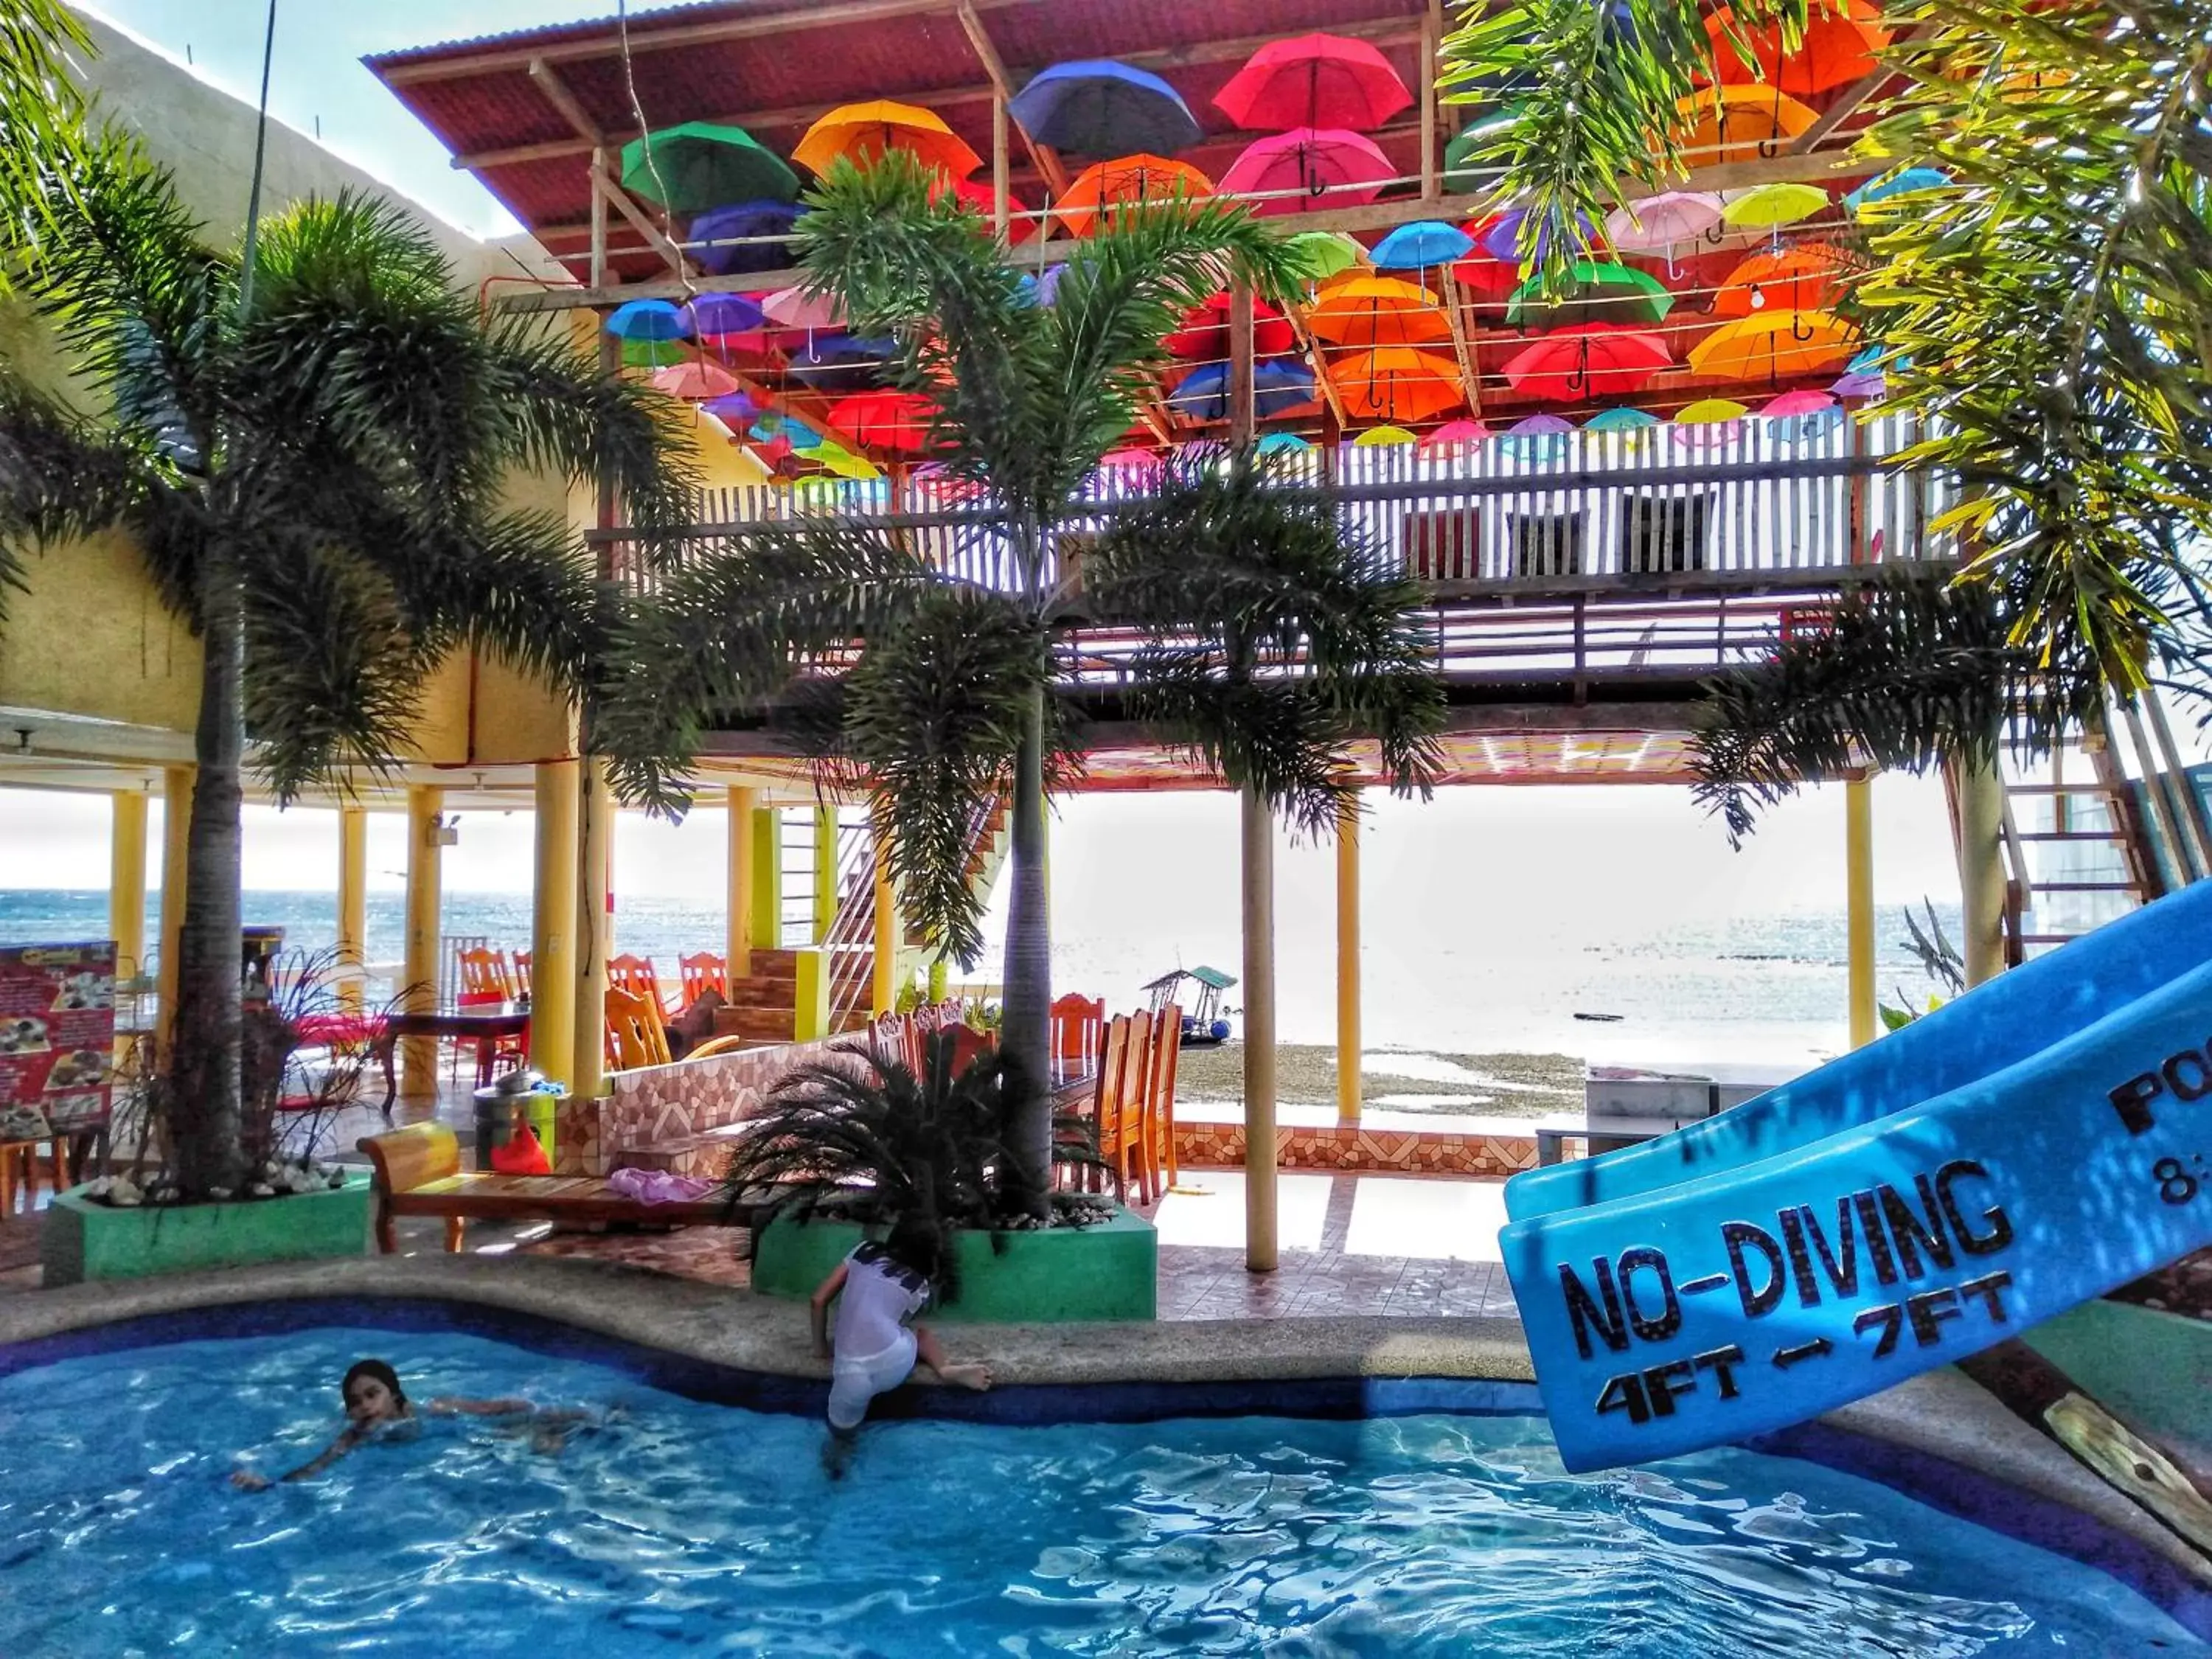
(484, 1028)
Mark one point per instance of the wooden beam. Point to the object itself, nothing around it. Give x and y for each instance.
(555, 92)
(1002, 211)
(619, 200)
(599, 250)
(1318, 361)
(1468, 378)
(1431, 38)
(1047, 160)
(1241, 396)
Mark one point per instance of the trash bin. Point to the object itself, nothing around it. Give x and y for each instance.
(518, 1098)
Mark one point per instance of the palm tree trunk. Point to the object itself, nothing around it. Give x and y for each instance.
(201, 1086)
(1025, 1036)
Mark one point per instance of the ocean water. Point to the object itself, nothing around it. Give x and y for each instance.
(670, 1525)
(1763, 990)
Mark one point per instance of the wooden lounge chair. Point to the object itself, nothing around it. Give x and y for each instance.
(418, 1172)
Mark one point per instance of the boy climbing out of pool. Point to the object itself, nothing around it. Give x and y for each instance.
(374, 1399)
(877, 1288)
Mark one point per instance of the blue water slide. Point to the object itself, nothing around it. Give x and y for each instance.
(1996, 1026)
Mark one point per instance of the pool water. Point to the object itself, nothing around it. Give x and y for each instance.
(676, 1524)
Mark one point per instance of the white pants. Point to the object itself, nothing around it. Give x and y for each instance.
(854, 1382)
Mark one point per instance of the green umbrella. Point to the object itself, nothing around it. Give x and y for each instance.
(656, 353)
(1595, 292)
(1322, 254)
(699, 164)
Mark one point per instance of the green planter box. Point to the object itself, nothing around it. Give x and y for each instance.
(85, 1240)
(1110, 1271)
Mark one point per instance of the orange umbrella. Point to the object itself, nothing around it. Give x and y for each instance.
(865, 131)
(1805, 278)
(1841, 38)
(1396, 384)
(1773, 345)
(1127, 178)
(1378, 311)
(1737, 124)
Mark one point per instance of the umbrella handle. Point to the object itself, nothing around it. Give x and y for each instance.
(1797, 321)
(1769, 149)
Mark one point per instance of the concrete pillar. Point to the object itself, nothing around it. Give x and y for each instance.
(558, 785)
(1347, 967)
(418, 1074)
(126, 883)
(1858, 903)
(745, 872)
(809, 1014)
(825, 871)
(887, 941)
(1981, 871)
(353, 903)
(1259, 882)
(594, 936)
(764, 830)
(177, 783)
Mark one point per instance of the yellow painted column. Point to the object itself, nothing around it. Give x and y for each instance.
(1259, 882)
(176, 823)
(1347, 967)
(594, 935)
(1858, 906)
(825, 871)
(1981, 871)
(744, 872)
(764, 830)
(885, 946)
(558, 784)
(418, 1056)
(126, 883)
(353, 903)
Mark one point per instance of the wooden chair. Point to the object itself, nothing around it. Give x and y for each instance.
(488, 982)
(19, 1166)
(1120, 1099)
(636, 975)
(1076, 1020)
(702, 973)
(522, 979)
(1106, 1092)
(635, 1036)
(1161, 1168)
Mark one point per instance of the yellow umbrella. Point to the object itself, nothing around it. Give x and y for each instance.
(865, 131)
(1737, 124)
(1710, 411)
(1384, 437)
(1771, 345)
(1763, 206)
(1377, 311)
(836, 458)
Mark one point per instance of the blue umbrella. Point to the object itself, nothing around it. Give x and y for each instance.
(713, 315)
(1284, 443)
(1276, 387)
(1624, 419)
(839, 362)
(1043, 289)
(1895, 183)
(1099, 107)
(1421, 244)
(648, 319)
(745, 219)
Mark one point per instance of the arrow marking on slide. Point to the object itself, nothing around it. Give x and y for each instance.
(1785, 1358)
(1710, 1282)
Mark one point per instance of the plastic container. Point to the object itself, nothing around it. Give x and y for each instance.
(518, 1098)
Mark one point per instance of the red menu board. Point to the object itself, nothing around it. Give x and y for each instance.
(57, 1038)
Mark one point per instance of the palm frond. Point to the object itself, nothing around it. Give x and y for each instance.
(61, 476)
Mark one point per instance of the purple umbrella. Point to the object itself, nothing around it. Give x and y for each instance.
(715, 316)
(724, 225)
(1504, 239)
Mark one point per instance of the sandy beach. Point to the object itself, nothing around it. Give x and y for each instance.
(1492, 1085)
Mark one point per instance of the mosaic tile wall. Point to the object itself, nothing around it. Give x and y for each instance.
(1352, 1146)
(655, 1105)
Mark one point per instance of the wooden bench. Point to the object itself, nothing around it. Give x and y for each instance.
(418, 1172)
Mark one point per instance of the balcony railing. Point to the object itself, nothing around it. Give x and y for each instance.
(1749, 503)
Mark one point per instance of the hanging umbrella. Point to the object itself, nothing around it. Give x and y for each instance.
(1860, 385)
(655, 354)
(1805, 278)
(723, 240)
(1804, 401)
(1709, 411)
(1393, 383)
(1314, 81)
(843, 463)
(1368, 311)
(1894, 184)
(1840, 40)
(647, 320)
(1313, 168)
(694, 381)
(839, 362)
(1657, 224)
(1284, 443)
(732, 408)
(1097, 107)
(1737, 124)
(897, 420)
(1484, 275)
(794, 307)
(1537, 436)
(1042, 289)
(1766, 206)
(1205, 330)
(862, 132)
(1132, 459)
(1423, 243)
(700, 165)
(1592, 360)
(717, 317)
(1385, 437)
(1503, 239)
(1462, 176)
(1461, 433)
(1127, 180)
(1773, 345)
(1322, 254)
(1276, 388)
(974, 193)
(1594, 292)
(797, 434)
(1625, 418)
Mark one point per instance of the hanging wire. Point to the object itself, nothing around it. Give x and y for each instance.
(645, 139)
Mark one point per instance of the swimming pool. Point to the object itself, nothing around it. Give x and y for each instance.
(680, 1523)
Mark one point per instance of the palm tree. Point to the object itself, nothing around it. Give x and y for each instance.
(311, 464)
(2047, 312)
(1272, 643)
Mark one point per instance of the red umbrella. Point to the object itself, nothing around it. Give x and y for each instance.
(979, 196)
(894, 421)
(1314, 81)
(1327, 166)
(1595, 360)
(1205, 330)
(1482, 275)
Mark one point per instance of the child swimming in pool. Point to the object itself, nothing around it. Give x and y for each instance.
(374, 1402)
(877, 1288)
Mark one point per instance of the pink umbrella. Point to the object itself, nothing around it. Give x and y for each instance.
(695, 380)
(1804, 401)
(795, 308)
(1329, 166)
(1455, 434)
